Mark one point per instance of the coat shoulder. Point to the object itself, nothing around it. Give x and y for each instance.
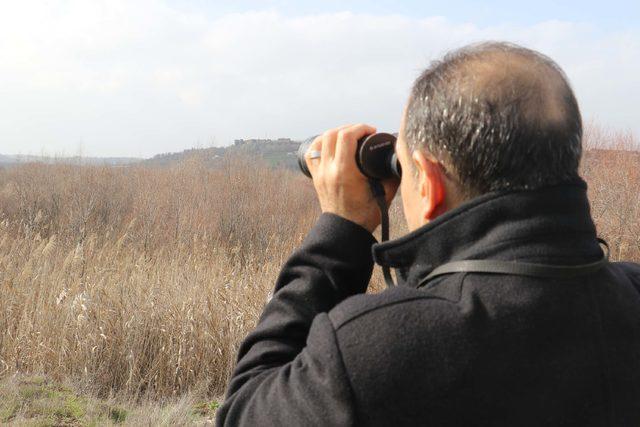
(629, 270)
(445, 296)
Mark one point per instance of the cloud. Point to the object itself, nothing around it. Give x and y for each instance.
(138, 78)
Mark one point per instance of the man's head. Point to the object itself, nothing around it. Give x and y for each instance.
(488, 117)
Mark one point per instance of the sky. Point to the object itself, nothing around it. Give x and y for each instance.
(138, 78)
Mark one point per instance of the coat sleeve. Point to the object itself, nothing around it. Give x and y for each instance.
(290, 371)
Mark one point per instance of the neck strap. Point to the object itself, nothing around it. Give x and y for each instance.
(516, 268)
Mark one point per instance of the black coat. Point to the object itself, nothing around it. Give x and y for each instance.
(468, 348)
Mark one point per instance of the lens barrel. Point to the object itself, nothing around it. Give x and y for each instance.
(375, 156)
(302, 151)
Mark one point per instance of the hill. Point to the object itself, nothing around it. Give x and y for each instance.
(6, 160)
(276, 152)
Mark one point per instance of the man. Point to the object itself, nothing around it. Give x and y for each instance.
(489, 146)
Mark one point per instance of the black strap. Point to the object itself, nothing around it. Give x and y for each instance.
(519, 268)
(377, 189)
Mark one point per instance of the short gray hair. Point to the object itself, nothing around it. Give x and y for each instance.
(498, 116)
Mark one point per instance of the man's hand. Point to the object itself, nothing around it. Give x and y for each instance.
(342, 189)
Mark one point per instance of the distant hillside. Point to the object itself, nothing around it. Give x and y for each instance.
(6, 160)
(276, 152)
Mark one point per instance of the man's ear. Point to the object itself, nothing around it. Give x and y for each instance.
(430, 185)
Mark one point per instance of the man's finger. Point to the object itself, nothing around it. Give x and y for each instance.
(329, 140)
(311, 156)
(328, 145)
(347, 144)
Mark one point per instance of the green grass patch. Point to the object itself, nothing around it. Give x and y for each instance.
(36, 401)
(206, 409)
(118, 415)
(8, 411)
(42, 402)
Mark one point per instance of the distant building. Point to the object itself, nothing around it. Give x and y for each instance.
(238, 142)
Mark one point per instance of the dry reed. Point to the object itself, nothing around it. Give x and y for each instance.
(142, 281)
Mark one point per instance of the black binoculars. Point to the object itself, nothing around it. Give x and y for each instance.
(376, 157)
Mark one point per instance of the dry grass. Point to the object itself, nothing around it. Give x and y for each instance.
(611, 167)
(141, 282)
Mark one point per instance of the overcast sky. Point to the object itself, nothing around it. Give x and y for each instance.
(137, 78)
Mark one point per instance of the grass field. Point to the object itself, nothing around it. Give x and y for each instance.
(38, 401)
(126, 290)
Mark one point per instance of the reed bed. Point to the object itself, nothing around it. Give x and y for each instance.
(141, 282)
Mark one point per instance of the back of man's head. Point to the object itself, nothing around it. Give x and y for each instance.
(497, 116)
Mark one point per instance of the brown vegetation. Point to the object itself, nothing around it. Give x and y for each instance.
(141, 281)
(612, 170)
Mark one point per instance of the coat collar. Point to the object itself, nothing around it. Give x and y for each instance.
(549, 225)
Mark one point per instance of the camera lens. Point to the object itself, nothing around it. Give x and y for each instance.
(302, 151)
(375, 156)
